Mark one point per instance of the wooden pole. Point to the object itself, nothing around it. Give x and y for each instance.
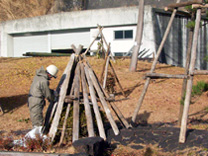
(188, 57)
(104, 64)
(103, 37)
(119, 84)
(183, 4)
(183, 130)
(134, 58)
(64, 124)
(52, 107)
(102, 99)
(66, 115)
(77, 50)
(88, 113)
(197, 6)
(106, 72)
(75, 130)
(120, 115)
(165, 76)
(1, 110)
(91, 44)
(95, 106)
(63, 92)
(154, 65)
(201, 72)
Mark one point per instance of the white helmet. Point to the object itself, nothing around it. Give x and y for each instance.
(53, 70)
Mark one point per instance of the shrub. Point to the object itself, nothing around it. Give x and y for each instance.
(6, 143)
(199, 88)
(37, 144)
(196, 90)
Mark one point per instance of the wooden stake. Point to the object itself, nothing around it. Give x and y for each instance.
(91, 44)
(134, 57)
(197, 6)
(103, 37)
(76, 105)
(66, 115)
(120, 115)
(183, 4)
(52, 107)
(106, 72)
(104, 64)
(154, 65)
(115, 109)
(64, 124)
(1, 110)
(63, 92)
(201, 72)
(188, 58)
(102, 99)
(95, 106)
(165, 76)
(114, 72)
(88, 112)
(182, 137)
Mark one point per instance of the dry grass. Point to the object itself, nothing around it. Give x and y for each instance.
(161, 103)
(16, 9)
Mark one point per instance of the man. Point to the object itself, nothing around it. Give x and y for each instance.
(39, 91)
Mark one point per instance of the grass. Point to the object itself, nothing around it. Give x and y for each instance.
(198, 89)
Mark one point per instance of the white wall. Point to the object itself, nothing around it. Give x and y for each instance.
(112, 19)
(30, 43)
(65, 40)
(119, 45)
(124, 45)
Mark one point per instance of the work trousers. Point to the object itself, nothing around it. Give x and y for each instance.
(36, 110)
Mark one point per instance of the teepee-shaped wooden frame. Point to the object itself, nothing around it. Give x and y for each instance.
(190, 67)
(79, 79)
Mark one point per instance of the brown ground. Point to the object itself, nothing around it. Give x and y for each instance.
(161, 103)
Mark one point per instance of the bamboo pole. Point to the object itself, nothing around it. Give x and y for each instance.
(75, 130)
(95, 106)
(165, 76)
(88, 112)
(134, 57)
(182, 137)
(154, 65)
(63, 91)
(102, 99)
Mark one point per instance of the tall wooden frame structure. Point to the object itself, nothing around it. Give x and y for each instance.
(189, 75)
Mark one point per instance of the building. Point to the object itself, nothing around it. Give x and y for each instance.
(56, 33)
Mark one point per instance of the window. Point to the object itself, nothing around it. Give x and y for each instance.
(123, 34)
